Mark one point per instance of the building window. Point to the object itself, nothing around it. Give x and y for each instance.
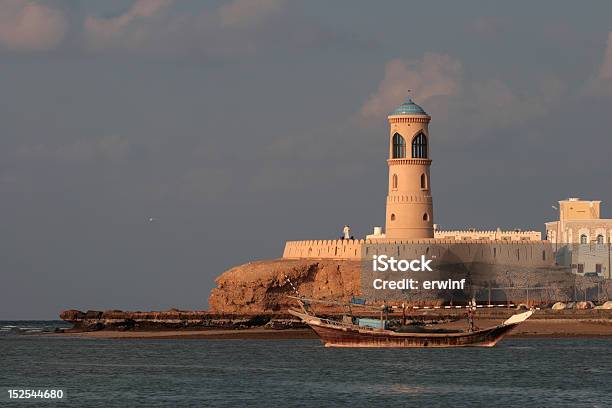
(399, 146)
(394, 182)
(423, 181)
(392, 217)
(580, 268)
(598, 269)
(600, 239)
(425, 217)
(583, 239)
(419, 146)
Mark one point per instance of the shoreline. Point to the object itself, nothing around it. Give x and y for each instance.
(533, 328)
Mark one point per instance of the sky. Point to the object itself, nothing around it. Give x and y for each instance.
(147, 146)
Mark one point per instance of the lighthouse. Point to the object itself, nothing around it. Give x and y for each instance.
(409, 212)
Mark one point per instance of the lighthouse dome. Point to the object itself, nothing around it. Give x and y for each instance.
(409, 108)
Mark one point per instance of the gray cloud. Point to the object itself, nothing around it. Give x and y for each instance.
(168, 28)
(28, 25)
(601, 83)
(205, 184)
(245, 13)
(472, 107)
(236, 28)
(605, 71)
(487, 25)
(107, 147)
(139, 25)
(433, 75)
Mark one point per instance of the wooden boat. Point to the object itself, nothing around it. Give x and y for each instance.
(343, 334)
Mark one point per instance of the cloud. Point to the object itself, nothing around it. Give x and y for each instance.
(130, 29)
(458, 105)
(209, 184)
(30, 25)
(231, 28)
(234, 28)
(109, 147)
(154, 26)
(600, 84)
(605, 71)
(433, 75)
(487, 25)
(492, 104)
(242, 13)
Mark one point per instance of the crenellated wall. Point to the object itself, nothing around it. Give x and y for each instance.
(526, 253)
(325, 249)
(493, 235)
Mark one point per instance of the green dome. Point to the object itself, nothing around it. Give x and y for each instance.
(409, 108)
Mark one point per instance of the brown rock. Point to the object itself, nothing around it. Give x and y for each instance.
(93, 314)
(261, 286)
(72, 315)
(113, 314)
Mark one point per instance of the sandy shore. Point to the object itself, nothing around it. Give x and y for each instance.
(212, 334)
(553, 328)
(547, 328)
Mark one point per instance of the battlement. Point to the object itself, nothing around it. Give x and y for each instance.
(534, 253)
(492, 235)
(328, 249)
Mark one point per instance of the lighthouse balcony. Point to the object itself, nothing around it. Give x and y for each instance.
(393, 162)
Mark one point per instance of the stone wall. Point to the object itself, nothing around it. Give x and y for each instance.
(493, 235)
(524, 253)
(324, 249)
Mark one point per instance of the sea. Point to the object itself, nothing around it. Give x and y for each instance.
(572, 372)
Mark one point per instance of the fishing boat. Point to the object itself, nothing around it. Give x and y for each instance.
(355, 332)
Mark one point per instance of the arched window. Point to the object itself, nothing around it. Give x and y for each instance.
(583, 239)
(392, 217)
(425, 217)
(394, 182)
(399, 146)
(600, 239)
(423, 181)
(419, 146)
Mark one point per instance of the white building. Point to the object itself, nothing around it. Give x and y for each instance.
(581, 237)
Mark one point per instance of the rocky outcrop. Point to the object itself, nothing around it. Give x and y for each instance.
(261, 286)
(174, 319)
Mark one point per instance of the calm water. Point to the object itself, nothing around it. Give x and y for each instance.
(278, 373)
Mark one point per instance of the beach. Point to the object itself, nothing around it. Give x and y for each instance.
(532, 328)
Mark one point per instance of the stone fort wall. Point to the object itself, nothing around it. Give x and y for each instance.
(519, 253)
(492, 235)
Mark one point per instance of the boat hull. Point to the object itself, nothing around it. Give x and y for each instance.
(336, 334)
(346, 337)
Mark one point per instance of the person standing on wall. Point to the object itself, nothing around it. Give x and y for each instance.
(346, 231)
